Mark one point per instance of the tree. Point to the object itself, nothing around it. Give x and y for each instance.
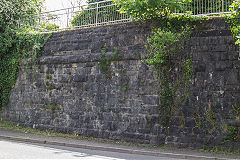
(14, 10)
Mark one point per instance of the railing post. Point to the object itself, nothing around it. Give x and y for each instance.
(222, 5)
(97, 15)
(67, 18)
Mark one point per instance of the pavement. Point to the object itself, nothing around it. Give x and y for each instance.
(12, 135)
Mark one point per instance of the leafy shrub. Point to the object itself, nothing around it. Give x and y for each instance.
(234, 20)
(15, 41)
(88, 15)
(49, 27)
(152, 9)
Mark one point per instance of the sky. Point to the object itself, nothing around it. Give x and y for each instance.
(59, 4)
(64, 16)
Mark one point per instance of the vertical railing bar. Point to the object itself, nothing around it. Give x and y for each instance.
(212, 6)
(219, 6)
(97, 14)
(215, 4)
(197, 7)
(202, 6)
(191, 6)
(67, 16)
(226, 2)
(205, 6)
(208, 6)
(222, 5)
(194, 7)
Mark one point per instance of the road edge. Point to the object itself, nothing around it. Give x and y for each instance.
(112, 149)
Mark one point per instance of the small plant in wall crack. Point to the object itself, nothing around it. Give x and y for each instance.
(234, 131)
(105, 62)
(124, 88)
(236, 109)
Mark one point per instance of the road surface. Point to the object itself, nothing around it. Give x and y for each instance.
(13, 150)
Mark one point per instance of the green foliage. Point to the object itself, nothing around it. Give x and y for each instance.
(161, 46)
(88, 16)
(49, 27)
(173, 69)
(23, 46)
(16, 43)
(105, 62)
(23, 16)
(197, 117)
(210, 118)
(84, 18)
(234, 20)
(233, 133)
(152, 9)
(236, 109)
(222, 149)
(164, 48)
(52, 106)
(124, 88)
(14, 10)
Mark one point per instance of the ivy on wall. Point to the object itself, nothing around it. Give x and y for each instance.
(17, 41)
(234, 20)
(164, 50)
(24, 45)
(172, 66)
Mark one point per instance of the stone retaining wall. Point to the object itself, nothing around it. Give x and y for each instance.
(68, 92)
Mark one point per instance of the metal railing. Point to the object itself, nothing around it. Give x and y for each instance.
(94, 14)
(106, 12)
(208, 7)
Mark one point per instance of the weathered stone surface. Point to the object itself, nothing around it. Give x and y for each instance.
(70, 94)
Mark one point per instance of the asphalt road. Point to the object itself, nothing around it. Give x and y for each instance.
(13, 150)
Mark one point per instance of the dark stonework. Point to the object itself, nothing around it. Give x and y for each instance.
(68, 93)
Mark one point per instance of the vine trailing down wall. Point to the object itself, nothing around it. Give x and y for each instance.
(172, 67)
(95, 82)
(26, 47)
(16, 41)
(164, 47)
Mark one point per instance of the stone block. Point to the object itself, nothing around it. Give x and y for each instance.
(79, 78)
